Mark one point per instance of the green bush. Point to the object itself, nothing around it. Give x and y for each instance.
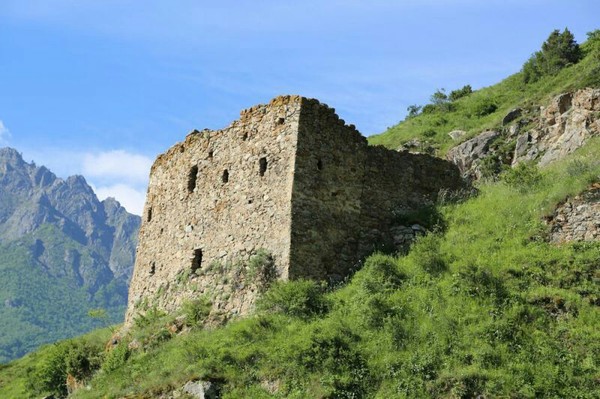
(484, 107)
(262, 270)
(301, 298)
(460, 93)
(524, 177)
(380, 273)
(196, 311)
(116, 358)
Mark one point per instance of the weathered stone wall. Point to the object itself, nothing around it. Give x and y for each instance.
(289, 177)
(346, 194)
(326, 201)
(578, 218)
(398, 184)
(214, 200)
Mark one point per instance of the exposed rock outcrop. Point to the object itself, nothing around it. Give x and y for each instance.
(468, 155)
(540, 136)
(578, 218)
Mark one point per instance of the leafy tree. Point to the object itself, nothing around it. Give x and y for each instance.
(558, 51)
(439, 97)
(460, 93)
(413, 110)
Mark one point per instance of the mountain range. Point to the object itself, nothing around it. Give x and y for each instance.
(63, 253)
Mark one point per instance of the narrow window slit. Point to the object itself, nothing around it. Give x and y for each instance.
(149, 215)
(197, 260)
(210, 154)
(152, 268)
(225, 176)
(320, 164)
(262, 163)
(192, 176)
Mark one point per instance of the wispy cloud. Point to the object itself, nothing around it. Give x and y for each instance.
(129, 197)
(120, 174)
(117, 165)
(4, 134)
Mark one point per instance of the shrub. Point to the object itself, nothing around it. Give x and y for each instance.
(116, 357)
(413, 110)
(523, 177)
(460, 93)
(484, 107)
(381, 273)
(429, 133)
(151, 316)
(78, 359)
(262, 270)
(301, 298)
(196, 311)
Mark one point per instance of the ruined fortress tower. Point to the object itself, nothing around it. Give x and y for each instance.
(289, 181)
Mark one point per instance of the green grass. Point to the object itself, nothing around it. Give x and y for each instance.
(506, 95)
(485, 308)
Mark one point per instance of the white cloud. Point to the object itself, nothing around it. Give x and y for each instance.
(118, 165)
(4, 133)
(129, 197)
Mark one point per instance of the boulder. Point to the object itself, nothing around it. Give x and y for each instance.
(457, 134)
(511, 116)
(467, 154)
(201, 389)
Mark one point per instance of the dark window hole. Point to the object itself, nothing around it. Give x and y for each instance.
(262, 163)
(245, 136)
(152, 268)
(320, 164)
(197, 260)
(192, 176)
(280, 121)
(210, 154)
(149, 215)
(225, 176)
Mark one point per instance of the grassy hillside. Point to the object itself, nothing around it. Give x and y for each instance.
(485, 108)
(484, 306)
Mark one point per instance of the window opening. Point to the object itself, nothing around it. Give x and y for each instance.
(193, 175)
(149, 215)
(197, 259)
(225, 176)
(262, 163)
(319, 164)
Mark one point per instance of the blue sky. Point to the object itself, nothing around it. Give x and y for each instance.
(101, 87)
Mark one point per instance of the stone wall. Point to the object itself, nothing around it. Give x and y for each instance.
(213, 201)
(578, 218)
(290, 178)
(326, 202)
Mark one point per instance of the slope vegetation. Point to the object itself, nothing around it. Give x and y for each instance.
(485, 108)
(483, 306)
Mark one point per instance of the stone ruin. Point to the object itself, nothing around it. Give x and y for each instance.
(288, 191)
